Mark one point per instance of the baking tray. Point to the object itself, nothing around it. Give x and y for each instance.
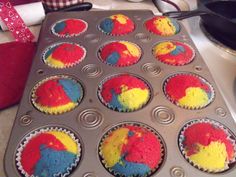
(91, 119)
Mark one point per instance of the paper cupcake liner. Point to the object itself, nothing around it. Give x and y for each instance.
(116, 65)
(162, 35)
(110, 34)
(54, 112)
(137, 124)
(66, 65)
(33, 134)
(126, 110)
(190, 60)
(185, 106)
(71, 35)
(218, 125)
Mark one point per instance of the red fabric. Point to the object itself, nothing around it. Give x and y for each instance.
(19, 2)
(15, 63)
(14, 22)
(58, 4)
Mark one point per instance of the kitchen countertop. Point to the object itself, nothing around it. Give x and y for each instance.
(7, 116)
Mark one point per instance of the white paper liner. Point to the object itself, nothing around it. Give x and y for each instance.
(67, 65)
(173, 41)
(136, 124)
(39, 107)
(100, 87)
(33, 134)
(185, 106)
(71, 35)
(116, 65)
(218, 125)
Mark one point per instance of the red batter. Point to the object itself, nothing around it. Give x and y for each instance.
(178, 84)
(204, 134)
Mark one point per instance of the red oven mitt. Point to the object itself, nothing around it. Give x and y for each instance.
(15, 63)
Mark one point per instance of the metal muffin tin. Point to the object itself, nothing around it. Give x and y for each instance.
(91, 119)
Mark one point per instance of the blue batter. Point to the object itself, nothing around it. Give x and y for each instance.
(107, 25)
(53, 162)
(72, 89)
(131, 169)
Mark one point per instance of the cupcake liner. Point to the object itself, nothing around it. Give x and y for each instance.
(190, 60)
(43, 130)
(137, 124)
(185, 106)
(179, 26)
(110, 34)
(100, 86)
(67, 65)
(116, 65)
(181, 139)
(68, 36)
(54, 112)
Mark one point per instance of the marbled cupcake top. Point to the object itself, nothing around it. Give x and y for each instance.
(120, 53)
(124, 93)
(163, 26)
(188, 91)
(117, 24)
(131, 151)
(173, 53)
(69, 27)
(64, 55)
(57, 95)
(210, 148)
(49, 153)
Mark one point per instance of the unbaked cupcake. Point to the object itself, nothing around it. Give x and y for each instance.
(48, 152)
(117, 24)
(69, 27)
(162, 26)
(64, 55)
(173, 53)
(188, 90)
(120, 53)
(124, 93)
(57, 95)
(130, 150)
(207, 145)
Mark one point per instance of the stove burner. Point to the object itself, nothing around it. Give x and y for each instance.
(219, 40)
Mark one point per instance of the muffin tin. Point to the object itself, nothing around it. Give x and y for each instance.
(90, 120)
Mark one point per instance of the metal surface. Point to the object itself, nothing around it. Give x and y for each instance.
(91, 119)
(220, 59)
(172, 5)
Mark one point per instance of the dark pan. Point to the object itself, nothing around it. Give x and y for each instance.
(219, 15)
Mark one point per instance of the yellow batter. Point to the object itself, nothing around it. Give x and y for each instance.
(211, 157)
(112, 146)
(66, 140)
(194, 98)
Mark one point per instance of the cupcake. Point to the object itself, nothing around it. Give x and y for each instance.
(211, 149)
(118, 24)
(173, 53)
(69, 27)
(64, 55)
(57, 95)
(188, 91)
(48, 152)
(124, 93)
(162, 26)
(120, 53)
(131, 150)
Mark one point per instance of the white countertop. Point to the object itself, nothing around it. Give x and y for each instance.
(7, 116)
